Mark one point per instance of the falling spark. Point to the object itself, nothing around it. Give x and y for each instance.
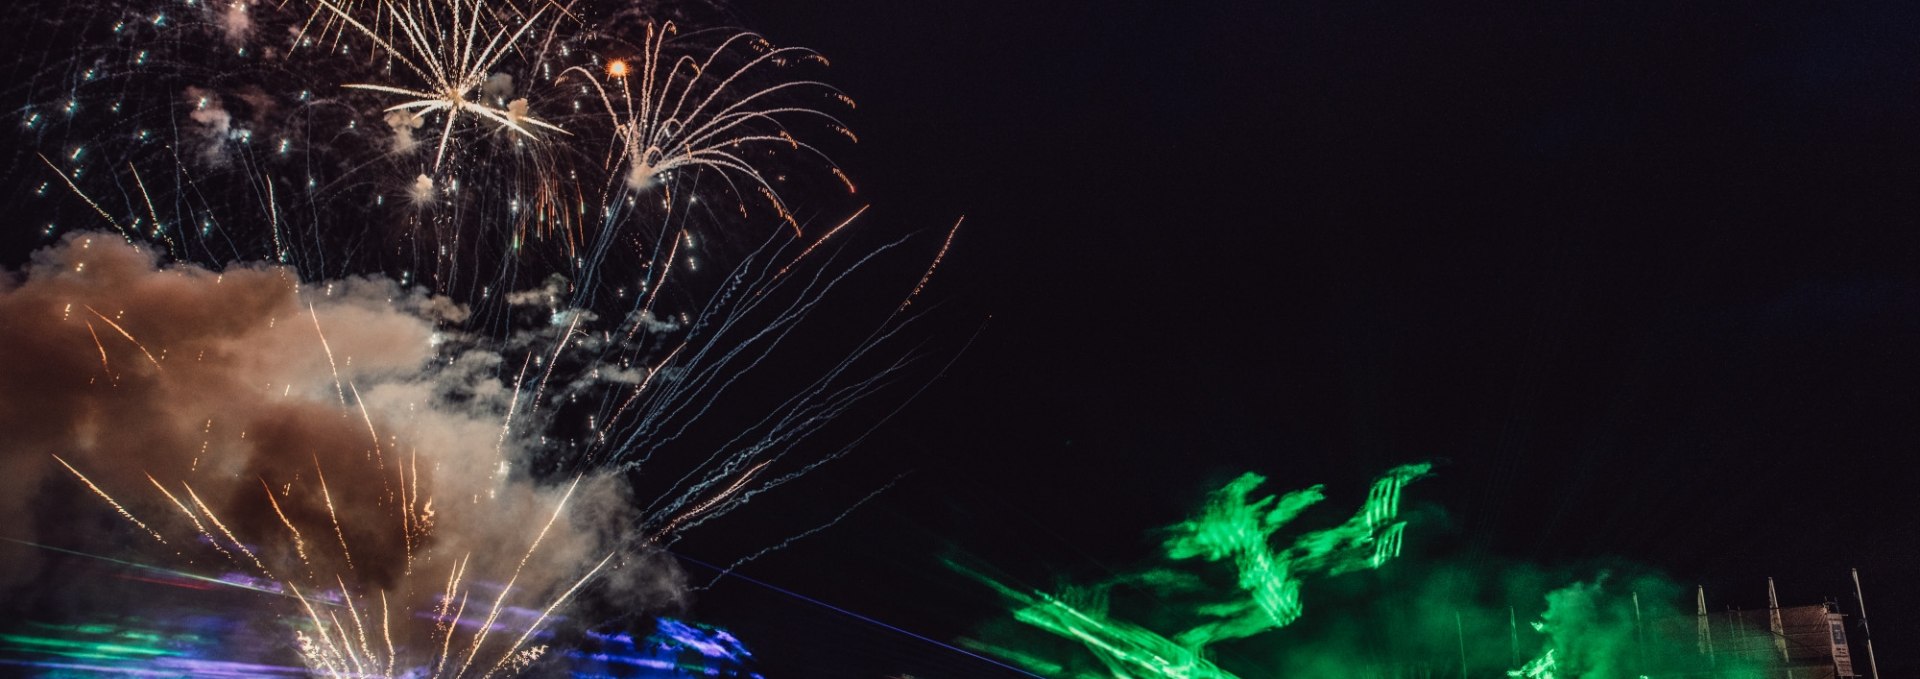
(646, 310)
(944, 245)
(341, 392)
(299, 544)
(151, 212)
(822, 240)
(511, 650)
(379, 457)
(494, 613)
(453, 583)
(328, 496)
(223, 530)
(704, 506)
(102, 347)
(191, 517)
(104, 496)
(557, 348)
(82, 194)
(353, 614)
(386, 630)
(333, 651)
(129, 336)
(506, 424)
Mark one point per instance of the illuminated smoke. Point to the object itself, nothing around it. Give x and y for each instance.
(237, 21)
(236, 405)
(404, 123)
(212, 124)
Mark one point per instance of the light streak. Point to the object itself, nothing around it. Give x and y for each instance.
(123, 333)
(937, 258)
(513, 403)
(820, 241)
(558, 347)
(704, 107)
(115, 503)
(446, 601)
(83, 195)
(223, 530)
(353, 615)
(380, 460)
(299, 544)
(108, 369)
(548, 612)
(857, 616)
(192, 517)
(702, 508)
(338, 390)
(666, 268)
(783, 544)
(332, 652)
(148, 198)
(494, 613)
(328, 496)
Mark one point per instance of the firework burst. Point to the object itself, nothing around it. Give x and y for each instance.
(489, 223)
(467, 145)
(455, 72)
(671, 114)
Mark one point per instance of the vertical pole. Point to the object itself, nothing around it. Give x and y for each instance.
(1703, 626)
(1774, 623)
(1873, 665)
(1460, 632)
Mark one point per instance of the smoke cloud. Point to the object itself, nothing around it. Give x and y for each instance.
(244, 388)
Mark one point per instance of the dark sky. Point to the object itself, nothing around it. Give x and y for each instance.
(1644, 279)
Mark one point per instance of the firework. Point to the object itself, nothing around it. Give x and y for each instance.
(467, 145)
(453, 62)
(359, 558)
(686, 114)
(531, 182)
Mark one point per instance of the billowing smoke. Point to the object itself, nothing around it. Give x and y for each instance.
(236, 21)
(236, 392)
(212, 124)
(404, 123)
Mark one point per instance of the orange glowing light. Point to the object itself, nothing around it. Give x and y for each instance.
(617, 69)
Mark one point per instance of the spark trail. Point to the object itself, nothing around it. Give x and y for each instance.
(452, 60)
(551, 126)
(563, 151)
(117, 507)
(686, 114)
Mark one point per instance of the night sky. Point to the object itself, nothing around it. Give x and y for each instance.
(1643, 281)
